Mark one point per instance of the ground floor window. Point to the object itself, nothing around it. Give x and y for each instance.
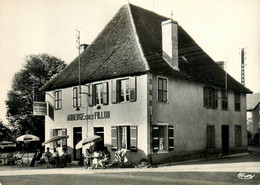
(238, 135)
(210, 136)
(163, 138)
(124, 137)
(59, 132)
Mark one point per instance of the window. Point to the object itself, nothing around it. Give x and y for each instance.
(76, 97)
(59, 132)
(210, 136)
(162, 90)
(124, 137)
(58, 99)
(124, 90)
(224, 97)
(163, 138)
(238, 135)
(98, 94)
(210, 98)
(237, 101)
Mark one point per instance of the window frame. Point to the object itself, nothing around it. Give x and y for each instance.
(163, 90)
(224, 99)
(211, 136)
(76, 97)
(125, 94)
(167, 135)
(59, 132)
(210, 97)
(237, 101)
(58, 99)
(126, 139)
(99, 92)
(238, 135)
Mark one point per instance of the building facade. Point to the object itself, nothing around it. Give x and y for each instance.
(147, 87)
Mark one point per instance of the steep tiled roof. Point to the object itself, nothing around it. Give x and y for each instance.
(252, 101)
(116, 52)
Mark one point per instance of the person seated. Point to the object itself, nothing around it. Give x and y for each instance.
(87, 158)
(97, 156)
(37, 156)
(105, 158)
(48, 157)
(48, 154)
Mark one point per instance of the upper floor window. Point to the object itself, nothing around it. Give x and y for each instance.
(58, 99)
(224, 98)
(162, 90)
(237, 101)
(98, 94)
(76, 99)
(124, 90)
(210, 98)
(124, 95)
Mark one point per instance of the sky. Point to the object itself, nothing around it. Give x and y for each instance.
(222, 28)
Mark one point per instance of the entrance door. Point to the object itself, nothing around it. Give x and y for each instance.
(225, 139)
(100, 132)
(77, 137)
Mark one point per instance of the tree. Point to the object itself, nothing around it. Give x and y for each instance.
(38, 70)
(5, 132)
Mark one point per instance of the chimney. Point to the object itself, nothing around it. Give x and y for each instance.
(170, 43)
(221, 64)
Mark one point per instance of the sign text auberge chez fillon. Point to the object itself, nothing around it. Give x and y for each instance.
(95, 115)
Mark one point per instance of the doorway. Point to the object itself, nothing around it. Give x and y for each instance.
(100, 132)
(225, 139)
(77, 137)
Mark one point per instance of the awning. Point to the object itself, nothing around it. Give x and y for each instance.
(55, 138)
(88, 140)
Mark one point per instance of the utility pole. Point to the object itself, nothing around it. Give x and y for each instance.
(243, 66)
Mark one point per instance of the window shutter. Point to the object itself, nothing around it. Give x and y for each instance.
(118, 90)
(105, 93)
(133, 89)
(113, 91)
(205, 96)
(92, 93)
(215, 99)
(155, 138)
(90, 102)
(171, 137)
(51, 111)
(64, 133)
(213, 137)
(133, 136)
(114, 143)
(208, 136)
(51, 135)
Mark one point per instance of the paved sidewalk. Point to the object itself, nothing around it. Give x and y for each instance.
(244, 162)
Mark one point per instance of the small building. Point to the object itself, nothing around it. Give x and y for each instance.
(253, 108)
(146, 86)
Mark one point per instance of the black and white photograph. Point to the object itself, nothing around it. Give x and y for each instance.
(133, 92)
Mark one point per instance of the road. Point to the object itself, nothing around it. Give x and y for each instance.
(208, 172)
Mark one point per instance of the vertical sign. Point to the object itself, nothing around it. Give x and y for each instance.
(39, 108)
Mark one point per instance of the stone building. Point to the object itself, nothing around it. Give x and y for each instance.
(148, 87)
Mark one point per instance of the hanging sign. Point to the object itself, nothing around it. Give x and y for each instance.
(39, 108)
